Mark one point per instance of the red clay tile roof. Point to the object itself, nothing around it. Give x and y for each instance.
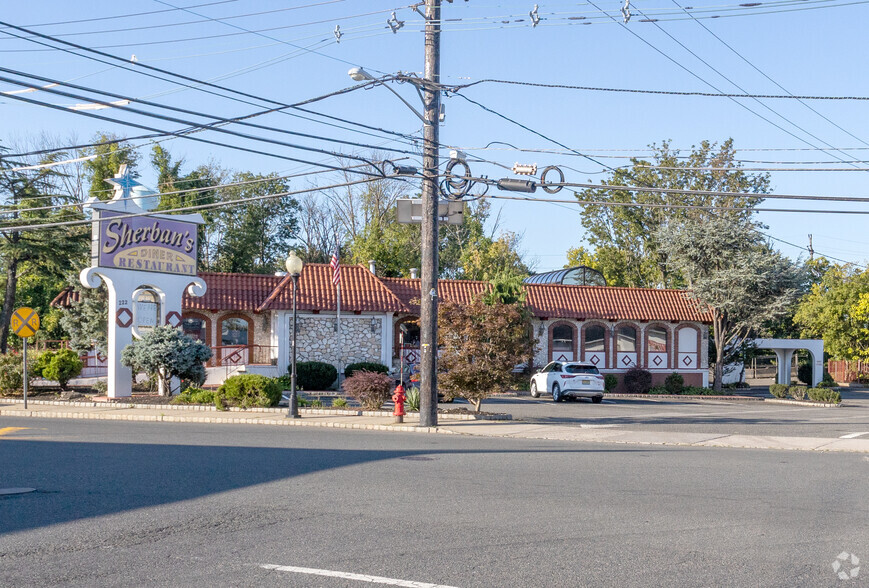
(611, 303)
(360, 291)
(232, 291)
(460, 291)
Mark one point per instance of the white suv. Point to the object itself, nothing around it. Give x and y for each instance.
(563, 379)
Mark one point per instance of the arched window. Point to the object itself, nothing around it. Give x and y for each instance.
(595, 338)
(562, 342)
(562, 338)
(626, 339)
(234, 331)
(146, 311)
(689, 345)
(657, 352)
(657, 340)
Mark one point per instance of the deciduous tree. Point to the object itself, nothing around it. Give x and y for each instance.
(733, 272)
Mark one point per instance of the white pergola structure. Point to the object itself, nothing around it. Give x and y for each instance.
(784, 352)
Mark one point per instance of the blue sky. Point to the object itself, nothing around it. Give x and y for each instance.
(809, 47)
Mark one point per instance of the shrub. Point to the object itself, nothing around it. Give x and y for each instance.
(827, 395)
(166, 352)
(101, 387)
(38, 361)
(659, 390)
(674, 383)
(194, 395)
(804, 372)
(638, 380)
(778, 390)
(411, 401)
(317, 403)
(827, 381)
(365, 366)
(610, 382)
(61, 366)
(698, 391)
(247, 390)
(11, 373)
(797, 392)
(314, 375)
(371, 389)
(339, 402)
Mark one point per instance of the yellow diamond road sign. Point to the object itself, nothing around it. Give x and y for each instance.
(25, 322)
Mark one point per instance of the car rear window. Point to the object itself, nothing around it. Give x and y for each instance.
(581, 369)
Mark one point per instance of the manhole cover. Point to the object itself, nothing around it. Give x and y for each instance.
(9, 491)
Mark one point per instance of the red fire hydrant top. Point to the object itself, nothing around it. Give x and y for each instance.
(398, 398)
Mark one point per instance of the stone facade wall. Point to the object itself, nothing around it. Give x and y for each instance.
(317, 339)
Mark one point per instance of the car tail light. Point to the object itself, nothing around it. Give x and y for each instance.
(566, 377)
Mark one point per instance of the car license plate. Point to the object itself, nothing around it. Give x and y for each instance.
(586, 382)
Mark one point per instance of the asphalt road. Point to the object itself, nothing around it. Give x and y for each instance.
(700, 416)
(154, 504)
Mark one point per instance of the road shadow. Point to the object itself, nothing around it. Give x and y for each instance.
(81, 480)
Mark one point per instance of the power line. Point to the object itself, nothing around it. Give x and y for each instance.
(218, 120)
(189, 208)
(101, 18)
(457, 87)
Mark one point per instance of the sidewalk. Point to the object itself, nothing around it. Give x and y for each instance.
(455, 424)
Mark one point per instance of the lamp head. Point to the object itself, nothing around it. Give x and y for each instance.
(357, 74)
(294, 264)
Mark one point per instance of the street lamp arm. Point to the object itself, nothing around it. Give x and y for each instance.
(406, 103)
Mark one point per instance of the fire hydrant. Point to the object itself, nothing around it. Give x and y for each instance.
(398, 398)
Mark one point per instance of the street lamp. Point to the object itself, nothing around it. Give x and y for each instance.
(294, 267)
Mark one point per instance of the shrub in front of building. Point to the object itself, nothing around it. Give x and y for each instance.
(638, 381)
(674, 383)
(60, 366)
(11, 374)
(365, 366)
(313, 375)
(779, 390)
(370, 389)
(610, 382)
(827, 395)
(250, 390)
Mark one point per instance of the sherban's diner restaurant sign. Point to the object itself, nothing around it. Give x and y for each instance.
(148, 244)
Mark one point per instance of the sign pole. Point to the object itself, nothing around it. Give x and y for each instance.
(25, 373)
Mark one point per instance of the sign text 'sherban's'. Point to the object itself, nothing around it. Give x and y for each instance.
(149, 244)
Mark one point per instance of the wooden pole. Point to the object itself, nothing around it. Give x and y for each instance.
(428, 410)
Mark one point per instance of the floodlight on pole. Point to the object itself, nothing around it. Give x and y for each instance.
(357, 74)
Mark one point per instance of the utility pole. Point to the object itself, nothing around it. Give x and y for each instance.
(428, 401)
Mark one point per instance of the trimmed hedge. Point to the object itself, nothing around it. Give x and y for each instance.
(779, 390)
(60, 366)
(827, 395)
(797, 392)
(248, 390)
(638, 381)
(674, 383)
(314, 375)
(365, 366)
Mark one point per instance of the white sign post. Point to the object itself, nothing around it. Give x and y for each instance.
(135, 251)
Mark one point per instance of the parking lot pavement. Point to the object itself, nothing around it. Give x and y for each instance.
(850, 420)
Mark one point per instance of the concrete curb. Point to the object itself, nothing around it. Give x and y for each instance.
(802, 402)
(271, 410)
(162, 418)
(731, 397)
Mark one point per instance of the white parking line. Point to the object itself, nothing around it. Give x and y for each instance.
(349, 576)
(853, 435)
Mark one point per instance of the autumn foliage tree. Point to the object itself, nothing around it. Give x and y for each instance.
(480, 344)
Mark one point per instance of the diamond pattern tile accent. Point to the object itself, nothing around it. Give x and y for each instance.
(595, 359)
(657, 360)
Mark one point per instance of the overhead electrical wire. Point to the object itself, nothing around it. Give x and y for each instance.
(131, 15)
(53, 225)
(216, 119)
